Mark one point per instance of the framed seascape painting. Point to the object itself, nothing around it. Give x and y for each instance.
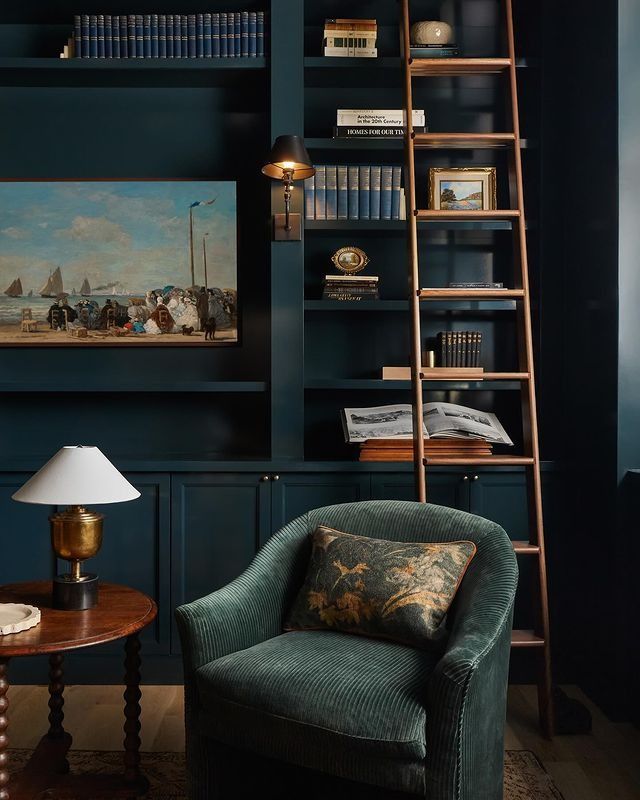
(118, 263)
(462, 188)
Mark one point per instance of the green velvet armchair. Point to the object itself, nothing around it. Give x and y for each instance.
(273, 714)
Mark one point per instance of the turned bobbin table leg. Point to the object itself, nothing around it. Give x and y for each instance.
(4, 724)
(132, 695)
(56, 697)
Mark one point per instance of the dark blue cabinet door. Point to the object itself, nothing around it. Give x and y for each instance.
(218, 522)
(502, 498)
(25, 543)
(135, 551)
(293, 495)
(443, 488)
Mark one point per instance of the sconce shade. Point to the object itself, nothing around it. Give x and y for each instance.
(289, 152)
(77, 476)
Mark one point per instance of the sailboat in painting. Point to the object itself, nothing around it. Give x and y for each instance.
(85, 289)
(15, 290)
(53, 287)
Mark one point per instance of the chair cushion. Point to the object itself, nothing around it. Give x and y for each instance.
(319, 691)
(393, 590)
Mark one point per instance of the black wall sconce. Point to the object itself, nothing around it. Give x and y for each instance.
(288, 162)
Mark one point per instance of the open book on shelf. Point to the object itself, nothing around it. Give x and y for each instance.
(440, 421)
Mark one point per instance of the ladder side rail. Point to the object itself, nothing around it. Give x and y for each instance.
(530, 423)
(412, 257)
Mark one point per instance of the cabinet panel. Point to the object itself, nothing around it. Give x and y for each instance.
(218, 522)
(502, 498)
(135, 551)
(293, 495)
(444, 488)
(24, 532)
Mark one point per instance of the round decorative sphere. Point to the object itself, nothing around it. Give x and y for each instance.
(431, 32)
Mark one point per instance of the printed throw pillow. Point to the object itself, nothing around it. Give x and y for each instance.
(391, 590)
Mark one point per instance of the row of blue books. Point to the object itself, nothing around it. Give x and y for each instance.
(220, 35)
(354, 192)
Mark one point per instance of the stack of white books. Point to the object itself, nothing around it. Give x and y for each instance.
(381, 123)
(350, 38)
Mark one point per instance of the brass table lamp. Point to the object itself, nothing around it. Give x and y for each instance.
(76, 477)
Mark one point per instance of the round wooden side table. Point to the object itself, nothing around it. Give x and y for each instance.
(120, 614)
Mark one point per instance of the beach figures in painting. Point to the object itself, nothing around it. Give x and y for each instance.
(118, 262)
(461, 195)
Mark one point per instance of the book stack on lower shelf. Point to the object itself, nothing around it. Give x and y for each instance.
(237, 34)
(402, 449)
(350, 287)
(356, 192)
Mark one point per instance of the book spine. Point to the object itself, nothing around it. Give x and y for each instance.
(223, 34)
(332, 192)
(108, 36)
(252, 34)
(442, 348)
(449, 353)
(77, 35)
(100, 35)
(321, 192)
(386, 184)
(478, 349)
(365, 192)
(396, 183)
(146, 35)
(376, 186)
(124, 40)
(184, 35)
(131, 35)
(343, 192)
(260, 33)
(354, 192)
(378, 118)
(215, 35)
(231, 46)
(370, 132)
(139, 35)
(309, 198)
(464, 361)
(84, 27)
(206, 35)
(115, 33)
(177, 36)
(169, 34)
(93, 36)
(162, 35)
(237, 35)
(192, 37)
(244, 34)
(155, 36)
(199, 35)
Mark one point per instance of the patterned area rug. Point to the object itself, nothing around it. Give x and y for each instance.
(524, 776)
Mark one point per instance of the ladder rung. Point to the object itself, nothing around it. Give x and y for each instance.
(525, 548)
(524, 638)
(492, 461)
(462, 140)
(451, 67)
(438, 214)
(470, 294)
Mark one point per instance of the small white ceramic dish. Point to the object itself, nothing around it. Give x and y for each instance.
(16, 617)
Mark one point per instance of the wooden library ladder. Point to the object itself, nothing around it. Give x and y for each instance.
(424, 68)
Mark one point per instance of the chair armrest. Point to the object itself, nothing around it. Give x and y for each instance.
(468, 689)
(251, 608)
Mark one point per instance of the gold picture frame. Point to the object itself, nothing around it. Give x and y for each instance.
(350, 259)
(452, 182)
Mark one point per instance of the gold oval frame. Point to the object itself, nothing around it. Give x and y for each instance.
(361, 260)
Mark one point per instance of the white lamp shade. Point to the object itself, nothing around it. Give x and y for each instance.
(77, 476)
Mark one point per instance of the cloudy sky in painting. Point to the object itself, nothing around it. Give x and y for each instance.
(136, 233)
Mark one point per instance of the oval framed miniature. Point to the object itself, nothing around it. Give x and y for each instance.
(350, 259)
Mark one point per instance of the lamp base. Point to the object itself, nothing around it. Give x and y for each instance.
(71, 595)
(281, 234)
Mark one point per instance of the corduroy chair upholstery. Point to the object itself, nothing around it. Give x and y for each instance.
(378, 713)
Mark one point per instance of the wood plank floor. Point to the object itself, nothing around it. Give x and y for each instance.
(602, 766)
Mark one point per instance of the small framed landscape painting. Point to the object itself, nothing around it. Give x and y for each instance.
(118, 263)
(462, 188)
